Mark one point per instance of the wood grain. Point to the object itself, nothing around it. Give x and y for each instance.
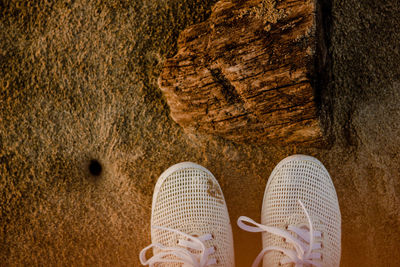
(246, 73)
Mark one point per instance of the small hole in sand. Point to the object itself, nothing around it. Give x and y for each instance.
(95, 167)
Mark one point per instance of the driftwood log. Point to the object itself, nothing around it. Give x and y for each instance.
(247, 73)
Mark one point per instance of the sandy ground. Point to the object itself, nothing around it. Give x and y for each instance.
(78, 82)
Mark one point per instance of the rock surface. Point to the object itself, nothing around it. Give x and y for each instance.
(247, 72)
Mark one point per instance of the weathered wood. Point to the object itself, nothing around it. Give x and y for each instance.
(246, 73)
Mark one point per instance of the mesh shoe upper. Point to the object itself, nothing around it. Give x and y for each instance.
(189, 199)
(302, 178)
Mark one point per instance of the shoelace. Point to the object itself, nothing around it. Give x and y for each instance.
(182, 253)
(302, 253)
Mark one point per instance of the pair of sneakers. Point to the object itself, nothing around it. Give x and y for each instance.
(300, 218)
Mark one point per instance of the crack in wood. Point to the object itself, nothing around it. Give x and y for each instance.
(228, 90)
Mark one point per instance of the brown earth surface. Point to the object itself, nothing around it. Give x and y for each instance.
(78, 81)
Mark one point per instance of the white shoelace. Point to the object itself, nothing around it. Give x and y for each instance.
(302, 253)
(182, 253)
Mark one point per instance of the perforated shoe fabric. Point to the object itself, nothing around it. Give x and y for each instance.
(300, 218)
(189, 210)
(305, 179)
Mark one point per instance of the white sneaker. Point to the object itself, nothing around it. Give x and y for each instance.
(300, 218)
(189, 222)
